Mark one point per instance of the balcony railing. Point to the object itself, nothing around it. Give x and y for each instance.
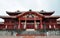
(23, 18)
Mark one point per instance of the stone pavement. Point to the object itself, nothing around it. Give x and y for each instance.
(29, 36)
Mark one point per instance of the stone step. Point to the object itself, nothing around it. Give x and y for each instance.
(30, 32)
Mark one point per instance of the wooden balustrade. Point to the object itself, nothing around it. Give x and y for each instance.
(23, 18)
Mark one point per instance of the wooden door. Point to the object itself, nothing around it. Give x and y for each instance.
(30, 26)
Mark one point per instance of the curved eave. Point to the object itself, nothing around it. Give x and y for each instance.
(13, 13)
(7, 16)
(46, 13)
(52, 17)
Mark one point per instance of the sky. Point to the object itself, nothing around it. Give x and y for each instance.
(25, 5)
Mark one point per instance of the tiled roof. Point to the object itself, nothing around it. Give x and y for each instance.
(30, 12)
(42, 11)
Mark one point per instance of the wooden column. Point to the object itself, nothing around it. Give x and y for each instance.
(54, 26)
(19, 24)
(25, 25)
(50, 26)
(35, 24)
(41, 25)
(6, 27)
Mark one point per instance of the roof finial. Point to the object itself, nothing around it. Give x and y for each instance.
(30, 10)
(18, 11)
(42, 10)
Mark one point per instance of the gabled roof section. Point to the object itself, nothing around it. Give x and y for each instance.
(13, 13)
(46, 13)
(30, 12)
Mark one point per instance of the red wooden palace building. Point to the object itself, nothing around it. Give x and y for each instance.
(21, 21)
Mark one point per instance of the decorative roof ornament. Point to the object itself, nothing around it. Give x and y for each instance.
(42, 11)
(30, 10)
(17, 11)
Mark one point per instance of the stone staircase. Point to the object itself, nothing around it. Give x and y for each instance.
(30, 32)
